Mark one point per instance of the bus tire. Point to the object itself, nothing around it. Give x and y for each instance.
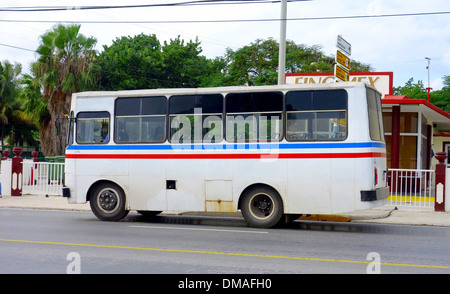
(262, 207)
(107, 202)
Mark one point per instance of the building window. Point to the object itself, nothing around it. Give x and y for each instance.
(408, 139)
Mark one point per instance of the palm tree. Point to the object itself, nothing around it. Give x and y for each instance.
(34, 107)
(8, 90)
(64, 66)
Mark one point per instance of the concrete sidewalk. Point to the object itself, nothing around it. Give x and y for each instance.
(383, 215)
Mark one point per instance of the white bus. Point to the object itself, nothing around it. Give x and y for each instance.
(272, 152)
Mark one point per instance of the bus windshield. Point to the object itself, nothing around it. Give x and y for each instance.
(375, 116)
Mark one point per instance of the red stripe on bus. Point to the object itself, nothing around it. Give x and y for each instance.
(228, 156)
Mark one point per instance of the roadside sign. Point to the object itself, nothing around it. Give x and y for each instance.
(345, 46)
(342, 66)
(342, 59)
(341, 73)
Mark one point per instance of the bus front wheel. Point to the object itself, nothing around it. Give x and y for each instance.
(262, 207)
(108, 202)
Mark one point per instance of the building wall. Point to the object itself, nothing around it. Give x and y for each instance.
(439, 142)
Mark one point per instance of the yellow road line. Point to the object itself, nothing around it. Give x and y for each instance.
(223, 253)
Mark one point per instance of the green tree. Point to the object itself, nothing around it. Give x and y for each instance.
(16, 125)
(64, 65)
(257, 63)
(33, 105)
(254, 64)
(184, 67)
(130, 63)
(8, 91)
(441, 98)
(412, 90)
(142, 62)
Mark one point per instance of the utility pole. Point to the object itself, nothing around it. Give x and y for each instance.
(282, 53)
(428, 68)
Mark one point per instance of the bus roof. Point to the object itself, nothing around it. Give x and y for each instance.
(228, 89)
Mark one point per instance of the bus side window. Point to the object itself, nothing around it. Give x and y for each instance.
(140, 119)
(316, 115)
(93, 127)
(196, 118)
(254, 117)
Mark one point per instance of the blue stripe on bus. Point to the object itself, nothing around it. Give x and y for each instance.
(247, 146)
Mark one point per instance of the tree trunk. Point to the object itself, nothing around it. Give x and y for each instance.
(53, 144)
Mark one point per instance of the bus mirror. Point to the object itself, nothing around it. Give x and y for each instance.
(58, 123)
(58, 127)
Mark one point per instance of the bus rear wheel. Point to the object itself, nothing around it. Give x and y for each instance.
(107, 202)
(262, 207)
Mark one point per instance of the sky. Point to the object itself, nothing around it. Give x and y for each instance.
(396, 43)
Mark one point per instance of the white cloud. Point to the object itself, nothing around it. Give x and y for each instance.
(436, 84)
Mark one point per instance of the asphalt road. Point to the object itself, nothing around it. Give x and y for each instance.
(59, 242)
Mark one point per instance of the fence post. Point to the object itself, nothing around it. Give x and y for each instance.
(439, 202)
(5, 176)
(17, 173)
(33, 177)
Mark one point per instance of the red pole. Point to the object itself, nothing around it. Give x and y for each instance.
(395, 148)
(439, 201)
(16, 171)
(395, 140)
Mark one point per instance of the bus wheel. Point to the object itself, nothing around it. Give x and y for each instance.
(262, 207)
(108, 202)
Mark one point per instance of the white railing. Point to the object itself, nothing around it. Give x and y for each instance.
(411, 187)
(42, 178)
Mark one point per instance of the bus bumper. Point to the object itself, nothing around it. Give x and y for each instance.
(376, 194)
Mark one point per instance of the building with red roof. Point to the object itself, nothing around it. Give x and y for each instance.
(415, 129)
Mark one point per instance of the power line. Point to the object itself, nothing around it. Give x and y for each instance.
(15, 47)
(225, 20)
(188, 3)
(219, 21)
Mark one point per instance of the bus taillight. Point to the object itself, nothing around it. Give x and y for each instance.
(376, 176)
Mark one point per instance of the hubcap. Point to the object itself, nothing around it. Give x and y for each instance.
(108, 200)
(261, 206)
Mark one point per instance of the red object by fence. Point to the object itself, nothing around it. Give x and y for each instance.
(16, 171)
(5, 154)
(439, 202)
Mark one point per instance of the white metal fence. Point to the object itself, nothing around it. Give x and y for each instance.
(411, 187)
(42, 178)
